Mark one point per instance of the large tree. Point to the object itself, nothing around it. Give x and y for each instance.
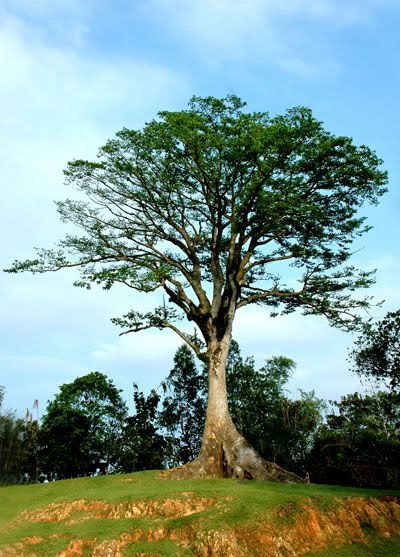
(221, 209)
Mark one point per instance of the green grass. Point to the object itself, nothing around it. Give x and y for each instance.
(376, 547)
(238, 503)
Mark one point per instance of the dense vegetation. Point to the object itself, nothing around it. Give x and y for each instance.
(86, 429)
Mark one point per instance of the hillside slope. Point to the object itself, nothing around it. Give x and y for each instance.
(139, 514)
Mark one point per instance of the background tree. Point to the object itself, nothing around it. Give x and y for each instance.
(300, 421)
(255, 398)
(82, 426)
(18, 447)
(360, 442)
(11, 446)
(143, 446)
(31, 445)
(66, 443)
(183, 407)
(209, 204)
(281, 429)
(376, 355)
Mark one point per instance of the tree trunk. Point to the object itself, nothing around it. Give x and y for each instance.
(224, 452)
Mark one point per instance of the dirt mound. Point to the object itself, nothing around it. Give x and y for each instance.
(288, 531)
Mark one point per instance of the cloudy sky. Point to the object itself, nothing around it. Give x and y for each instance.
(74, 72)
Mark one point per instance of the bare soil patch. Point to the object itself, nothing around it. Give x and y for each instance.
(84, 509)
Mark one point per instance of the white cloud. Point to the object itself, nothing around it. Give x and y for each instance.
(386, 287)
(289, 35)
(145, 358)
(320, 351)
(307, 69)
(34, 376)
(40, 80)
(62, 21)
(339, 12)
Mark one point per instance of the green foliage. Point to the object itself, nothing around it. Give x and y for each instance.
(11, 448)
(279, 428)
(142, 445)
(32, 456)
(295, 436)
(377, 352)
(213, 194)
(66, 442)
(18, 447)
(183, 408)
(360, 443)
(255, 398)
(82, 426)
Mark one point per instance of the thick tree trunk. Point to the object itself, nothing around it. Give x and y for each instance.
(224, 452)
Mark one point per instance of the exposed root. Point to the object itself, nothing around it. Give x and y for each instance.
(232, 459)
(243, 462)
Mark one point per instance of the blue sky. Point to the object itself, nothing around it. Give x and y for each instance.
(73, 73)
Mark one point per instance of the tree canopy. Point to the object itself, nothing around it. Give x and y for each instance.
(215, 195)
(88, 415)
(377, 351)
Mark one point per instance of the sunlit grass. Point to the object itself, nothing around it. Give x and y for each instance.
(233, 503)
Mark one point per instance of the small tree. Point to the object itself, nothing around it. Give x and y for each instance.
(183, 407)
(142, 445)
(12, 454)
(66, 442)
(208, 205)
(255, 398)
(300, 419)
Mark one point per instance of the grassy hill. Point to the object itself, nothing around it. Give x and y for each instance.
(139, 514)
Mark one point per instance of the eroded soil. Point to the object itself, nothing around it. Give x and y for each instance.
(83, 509)
(284, 532)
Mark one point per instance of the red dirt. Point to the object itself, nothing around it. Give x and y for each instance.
(314, 529)
(84, 509)
(289, 532)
